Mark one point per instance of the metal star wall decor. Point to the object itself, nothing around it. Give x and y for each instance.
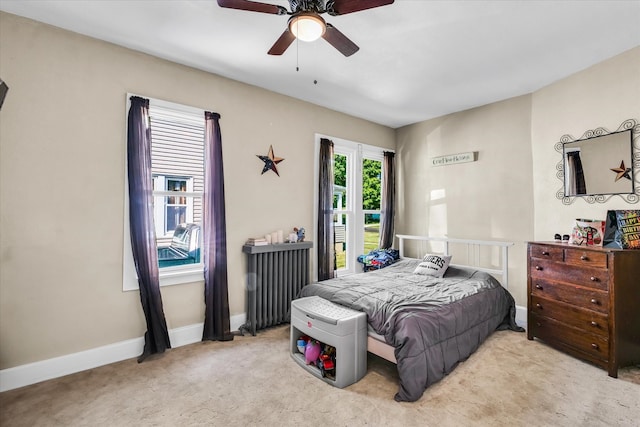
(622, 172)
(270, 161)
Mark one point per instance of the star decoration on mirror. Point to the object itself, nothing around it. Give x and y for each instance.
(622, 172)
(270, 161)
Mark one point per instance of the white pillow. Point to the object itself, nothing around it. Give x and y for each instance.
(433, 265)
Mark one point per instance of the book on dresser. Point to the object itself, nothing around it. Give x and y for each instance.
(585, 301)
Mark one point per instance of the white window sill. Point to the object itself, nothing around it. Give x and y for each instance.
(172, 276)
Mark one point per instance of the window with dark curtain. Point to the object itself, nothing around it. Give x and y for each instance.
(388, 200)
(143, 244)
(326, 249)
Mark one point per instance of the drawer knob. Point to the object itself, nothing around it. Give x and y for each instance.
(539, 287)
(594, 301)
(584, 258)
(545, 253)
(594, 278)
(594, 346)
(594, 324)
(539, 306)
(538, 268)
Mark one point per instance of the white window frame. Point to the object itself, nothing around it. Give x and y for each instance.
(355, 153)
(169, 276)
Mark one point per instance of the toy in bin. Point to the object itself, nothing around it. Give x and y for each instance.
(327, 362)
(312, 352)
(301, 344)
(316, 353)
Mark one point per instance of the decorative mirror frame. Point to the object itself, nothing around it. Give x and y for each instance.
(635, 160)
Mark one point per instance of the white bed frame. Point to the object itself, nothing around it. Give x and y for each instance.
(472, 247)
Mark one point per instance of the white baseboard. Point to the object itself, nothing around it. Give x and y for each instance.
(521, 316)
(36, 372)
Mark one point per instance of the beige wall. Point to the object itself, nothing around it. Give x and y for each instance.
(487, 199)
(604, 95)
(62, 136)
(510, 192)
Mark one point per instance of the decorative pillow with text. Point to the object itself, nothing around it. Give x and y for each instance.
(433, 265)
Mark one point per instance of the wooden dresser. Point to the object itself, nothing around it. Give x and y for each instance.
(585, 301)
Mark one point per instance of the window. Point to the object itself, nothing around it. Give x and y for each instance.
(371, 195)
(356, 201)
(177, 166)
(170, 211)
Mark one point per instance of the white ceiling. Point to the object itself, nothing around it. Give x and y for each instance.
(418, 59)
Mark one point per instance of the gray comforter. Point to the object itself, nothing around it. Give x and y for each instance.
(433, 323)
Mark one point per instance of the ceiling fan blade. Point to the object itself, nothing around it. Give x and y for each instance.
(342, 7)
(253, 6)
(339, 41)
(283, 42)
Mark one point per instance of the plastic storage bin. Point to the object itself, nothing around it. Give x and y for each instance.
(334, 325)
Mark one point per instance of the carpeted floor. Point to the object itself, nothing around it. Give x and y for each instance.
(253, 381)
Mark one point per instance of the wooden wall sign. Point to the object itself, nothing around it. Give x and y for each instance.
(452, 159)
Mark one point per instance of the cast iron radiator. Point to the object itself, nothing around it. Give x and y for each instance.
(275, 275)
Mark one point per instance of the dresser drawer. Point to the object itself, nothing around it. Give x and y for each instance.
(590, 321)
(584, 276)
(591, 299)
(594, 345)
(585, 258)
(554, 253)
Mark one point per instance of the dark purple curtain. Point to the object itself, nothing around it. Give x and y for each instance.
(326, 248)
(214, 238)
(143, 239)
(577, 178)
(388, 200)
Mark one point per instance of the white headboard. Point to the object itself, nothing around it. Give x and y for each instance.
(473, 252)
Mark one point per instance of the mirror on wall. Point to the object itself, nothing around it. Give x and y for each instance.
(601, 164)
(598, 165)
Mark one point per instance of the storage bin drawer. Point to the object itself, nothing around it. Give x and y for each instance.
(336, 326)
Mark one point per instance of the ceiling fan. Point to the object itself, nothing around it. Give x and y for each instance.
(305, 22)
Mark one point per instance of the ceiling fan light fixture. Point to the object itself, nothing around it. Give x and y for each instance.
(307, 27)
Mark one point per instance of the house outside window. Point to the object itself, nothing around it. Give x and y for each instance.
(177, 159)
(175, 207)
(170, 211)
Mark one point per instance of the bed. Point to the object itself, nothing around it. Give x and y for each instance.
(424, 323)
